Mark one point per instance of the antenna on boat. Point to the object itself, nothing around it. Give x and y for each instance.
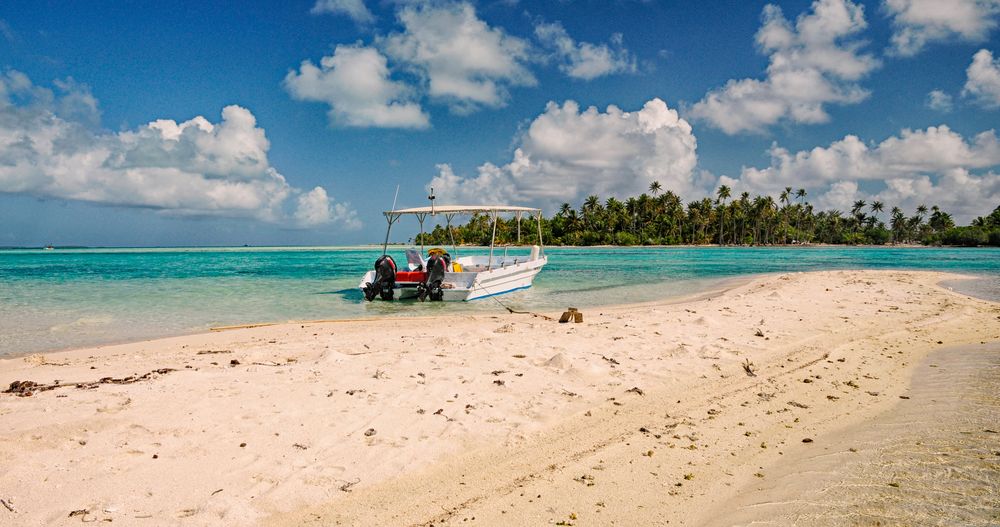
(432, 197)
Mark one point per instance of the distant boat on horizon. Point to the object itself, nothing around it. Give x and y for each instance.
(49, 248)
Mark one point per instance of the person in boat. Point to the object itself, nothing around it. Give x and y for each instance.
(439, 252)
(448, 264)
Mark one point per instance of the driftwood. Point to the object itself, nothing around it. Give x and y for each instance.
(29, 388)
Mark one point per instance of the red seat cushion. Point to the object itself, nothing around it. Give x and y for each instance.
(410, 276)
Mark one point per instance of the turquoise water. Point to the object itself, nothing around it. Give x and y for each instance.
(70, 298)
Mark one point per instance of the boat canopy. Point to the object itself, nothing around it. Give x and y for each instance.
(450, 211)
(460, 209)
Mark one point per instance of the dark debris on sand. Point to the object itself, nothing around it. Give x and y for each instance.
(29, 388)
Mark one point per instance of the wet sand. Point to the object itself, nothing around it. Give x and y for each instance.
(933, 459)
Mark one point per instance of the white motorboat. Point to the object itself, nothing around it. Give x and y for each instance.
(450, 277)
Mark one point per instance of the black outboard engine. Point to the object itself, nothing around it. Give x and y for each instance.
(385, 279)
(431, 287)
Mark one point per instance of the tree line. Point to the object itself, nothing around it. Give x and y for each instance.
(662, 218)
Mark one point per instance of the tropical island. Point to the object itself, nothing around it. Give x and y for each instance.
(746, 270)
(662, 218)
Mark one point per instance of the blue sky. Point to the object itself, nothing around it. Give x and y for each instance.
(184, 123)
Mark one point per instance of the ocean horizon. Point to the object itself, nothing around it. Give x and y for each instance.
(70, 298)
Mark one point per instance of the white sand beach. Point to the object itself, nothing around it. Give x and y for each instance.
(666, 413)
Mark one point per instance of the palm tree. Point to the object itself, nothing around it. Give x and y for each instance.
(677, 211)
(785, 198)
(655, 188)
(723, 193)
(694, 218)
(615, 212)
(632, 210)
(590, 209)
(918, 220)
(859, 205)
(643, 211)
(830, 226)
(940, 220)
(744, 209)
(897, 223)
(768, 212)
(757, 209)
(856, 212)
(799, 194)
(876, 207)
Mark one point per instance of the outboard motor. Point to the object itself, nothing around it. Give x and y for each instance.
(385, 279)
(431, 287)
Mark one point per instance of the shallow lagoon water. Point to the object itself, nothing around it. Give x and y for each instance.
(70, 298)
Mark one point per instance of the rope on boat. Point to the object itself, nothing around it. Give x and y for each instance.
(510, 309)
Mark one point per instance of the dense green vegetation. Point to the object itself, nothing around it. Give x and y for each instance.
(662, 218)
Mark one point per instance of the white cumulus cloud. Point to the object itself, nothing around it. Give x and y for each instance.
(566, 154)
(919, 22)
(935, 165)
(583, 60)
(939, 101)
(50, 150)
(355, 83)
(354, 9)
(983, 79)
(316, 208)
(465, 62)
(812, 64)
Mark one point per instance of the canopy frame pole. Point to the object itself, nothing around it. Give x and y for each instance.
(518, 214)
(493, 239)
(420, 219)
(390, 218)
(451, 235)
(538, 219)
